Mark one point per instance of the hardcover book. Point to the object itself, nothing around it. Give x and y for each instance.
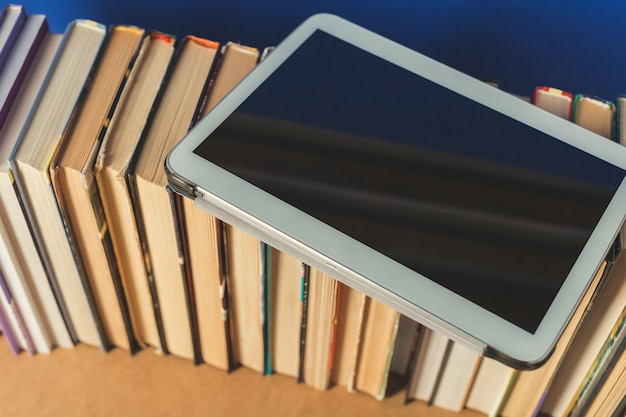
(76, 189)
(23, 266)
(204, 233)
(151, 201)
(12, 21)
(121, 139)
(30, 164)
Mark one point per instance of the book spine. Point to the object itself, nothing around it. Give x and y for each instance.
(304, 306)
(12, 37)
(265, 259)
(26, 48)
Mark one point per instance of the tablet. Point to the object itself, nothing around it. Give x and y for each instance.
(465, 208)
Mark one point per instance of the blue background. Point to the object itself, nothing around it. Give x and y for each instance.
(578, 46)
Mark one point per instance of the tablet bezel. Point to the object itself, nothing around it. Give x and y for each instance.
(244, 205)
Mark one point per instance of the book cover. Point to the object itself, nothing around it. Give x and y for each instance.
(13, 20)
(22, 54)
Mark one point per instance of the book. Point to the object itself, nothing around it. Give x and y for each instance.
(285, 312)
(489, 386)
(348, 336)
(30, 162)
(12, 21)
(595, 114)
(323, 294)
(204, 232)
(405, 348)
(379, 330)
(75, 187)
(529, 388)
(25, 49)
(235, 62)
(620, 137)
(18, 255)
(620, 410)
(152, 205)
(22, 54)
(609, 397)
(554, 100)
(246, 259)
(274, 288)
(456, 377)
(431, 353)
(8, 334)
(590, 345)
(14, 322)
(620, 118)
(600, 382)
(120, 141)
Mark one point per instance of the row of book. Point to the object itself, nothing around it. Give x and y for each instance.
(96, 249)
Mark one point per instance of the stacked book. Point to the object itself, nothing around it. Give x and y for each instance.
(96, 249)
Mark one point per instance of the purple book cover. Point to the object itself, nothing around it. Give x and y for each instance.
(13, 19)
(19, 61)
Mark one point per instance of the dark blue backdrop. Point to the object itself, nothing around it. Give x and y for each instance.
(579, 46)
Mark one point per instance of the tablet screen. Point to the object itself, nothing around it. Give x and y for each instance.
(486, 206)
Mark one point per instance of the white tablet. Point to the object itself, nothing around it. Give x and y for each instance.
(465, 208)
